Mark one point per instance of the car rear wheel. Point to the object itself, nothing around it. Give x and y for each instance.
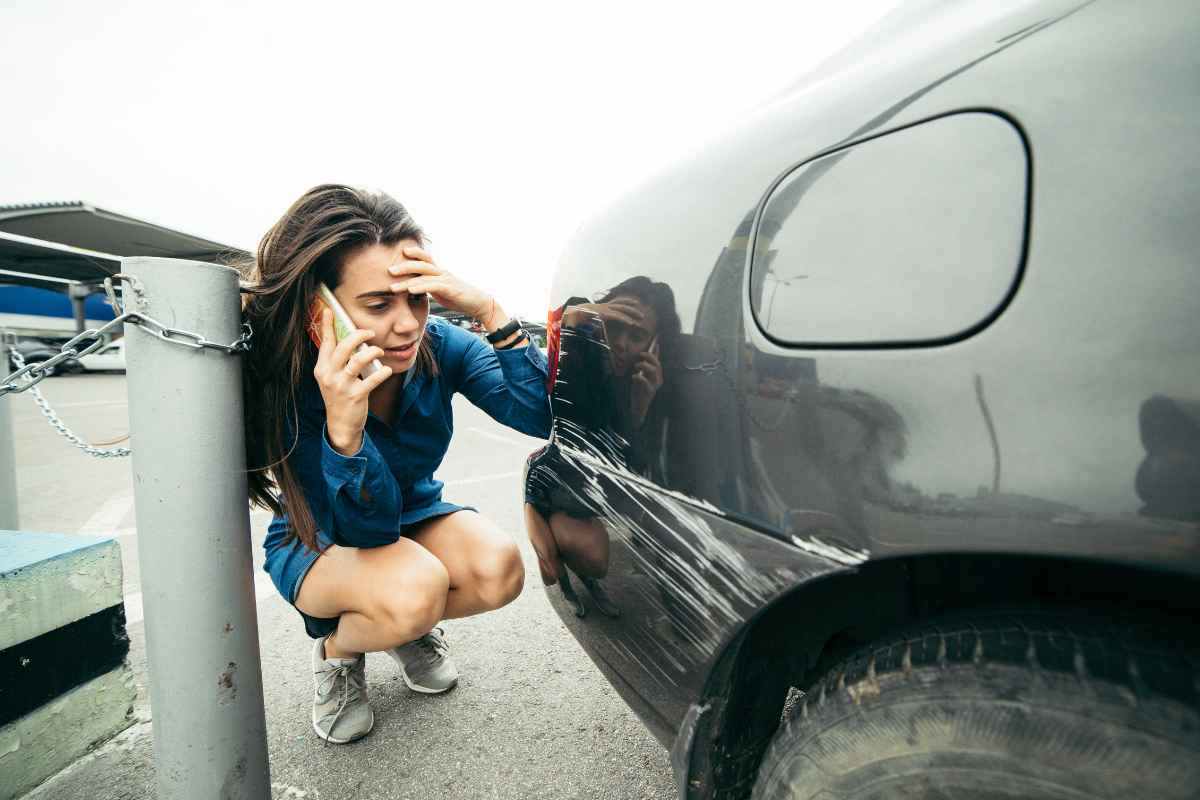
(996, 706)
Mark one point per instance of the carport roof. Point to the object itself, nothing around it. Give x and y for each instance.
(80, 242)
(46, 264)
(82, 225)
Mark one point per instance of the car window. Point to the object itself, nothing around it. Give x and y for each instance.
(914, 236)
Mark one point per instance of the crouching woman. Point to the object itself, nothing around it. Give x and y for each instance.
(362, 543)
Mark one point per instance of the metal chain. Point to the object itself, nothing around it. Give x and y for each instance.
(189, 339)
(28, 376)
(58, 425)
(32, 374)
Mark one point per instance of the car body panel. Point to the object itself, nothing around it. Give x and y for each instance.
(681, 576)
(1064, 426)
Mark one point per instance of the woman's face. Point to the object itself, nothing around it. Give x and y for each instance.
(396, 318)
(627, 341)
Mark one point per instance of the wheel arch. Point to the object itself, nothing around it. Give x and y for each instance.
(791, 642)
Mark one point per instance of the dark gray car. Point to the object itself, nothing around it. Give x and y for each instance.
(35, 350)
(876, 461)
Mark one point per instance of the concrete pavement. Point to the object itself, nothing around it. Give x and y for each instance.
(531, 716)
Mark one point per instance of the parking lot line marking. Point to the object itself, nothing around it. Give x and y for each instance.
(106, 518)
(30, 412)
(91, 403)
(135, 613)
(500, 438)
(482, 478)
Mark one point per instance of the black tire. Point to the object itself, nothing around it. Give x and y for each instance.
(996, 706)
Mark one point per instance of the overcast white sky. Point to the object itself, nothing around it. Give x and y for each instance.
(501, 126)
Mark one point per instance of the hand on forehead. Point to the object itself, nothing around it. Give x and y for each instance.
(411, 260)
(643, 317)
(371, 267)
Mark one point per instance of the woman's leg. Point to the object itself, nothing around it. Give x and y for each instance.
(384, 596)
(582, 544)
(544, 545)
(482, 561)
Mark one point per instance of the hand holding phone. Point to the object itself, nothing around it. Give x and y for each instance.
(343, 326)
(345, 376)
(647, 380)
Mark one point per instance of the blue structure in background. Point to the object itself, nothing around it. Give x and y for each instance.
(48, 303)
(71, 247)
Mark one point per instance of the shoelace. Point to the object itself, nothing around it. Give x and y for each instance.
(435, 642)
(349, 680)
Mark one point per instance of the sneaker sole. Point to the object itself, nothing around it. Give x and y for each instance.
(416, 687)
(336, 740)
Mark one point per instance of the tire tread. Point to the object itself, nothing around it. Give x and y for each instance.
(1144, 668)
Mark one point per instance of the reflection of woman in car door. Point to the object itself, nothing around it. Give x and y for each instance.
(609, 389)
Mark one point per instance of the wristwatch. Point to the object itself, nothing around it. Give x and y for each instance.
(502, 333)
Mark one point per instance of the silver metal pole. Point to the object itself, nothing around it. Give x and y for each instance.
(9, 515)
(185, 415)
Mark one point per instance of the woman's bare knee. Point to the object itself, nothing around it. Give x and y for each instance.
(499, 576)
(400, 590)
(412, 600)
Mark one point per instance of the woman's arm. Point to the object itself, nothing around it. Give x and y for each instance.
(355, 498)
(510, 385)
(361, 497)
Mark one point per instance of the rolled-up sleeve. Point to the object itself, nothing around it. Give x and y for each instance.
(354, 498)
(509, 385)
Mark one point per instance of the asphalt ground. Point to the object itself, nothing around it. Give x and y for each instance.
(531, 716)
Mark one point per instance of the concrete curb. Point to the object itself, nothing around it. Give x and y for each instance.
(64, 682)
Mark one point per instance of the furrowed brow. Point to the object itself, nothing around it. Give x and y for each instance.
(365, 295)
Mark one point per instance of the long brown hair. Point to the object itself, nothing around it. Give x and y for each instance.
(306, 246)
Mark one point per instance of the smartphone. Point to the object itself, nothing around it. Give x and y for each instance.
(343, 326)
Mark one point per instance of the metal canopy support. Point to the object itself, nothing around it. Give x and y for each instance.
(9, 512)
(185, 411)
(79, 294)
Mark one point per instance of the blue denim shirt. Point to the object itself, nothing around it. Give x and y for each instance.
(363, 500)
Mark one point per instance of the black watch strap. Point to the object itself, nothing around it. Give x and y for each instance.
(500, 334)
(523, 337)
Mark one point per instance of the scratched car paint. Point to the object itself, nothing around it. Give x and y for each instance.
(776, 440)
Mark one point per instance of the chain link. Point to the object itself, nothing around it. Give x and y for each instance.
(28, 376)
(192, 340)
(60, 426)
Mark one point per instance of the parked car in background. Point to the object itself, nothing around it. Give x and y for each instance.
(109, 358)
(35, 350)
(875, 468)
